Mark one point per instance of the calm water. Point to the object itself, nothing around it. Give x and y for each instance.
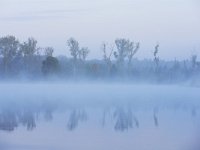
(99, 116)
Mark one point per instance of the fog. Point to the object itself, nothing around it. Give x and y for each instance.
(98, 115)
(52, 102)
(99, 75)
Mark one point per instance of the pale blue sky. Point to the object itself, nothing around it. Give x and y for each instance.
(175, 24)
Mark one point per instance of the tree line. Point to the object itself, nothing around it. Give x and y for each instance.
(28, 60)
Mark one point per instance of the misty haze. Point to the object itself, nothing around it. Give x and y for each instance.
(99, 75)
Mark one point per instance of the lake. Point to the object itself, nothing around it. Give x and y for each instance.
(99, 116)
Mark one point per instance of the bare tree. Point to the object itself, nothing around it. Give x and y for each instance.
(83, 53)
(122, 49)
(125, 48)
(156, 58)
(29, 50)
(9, 47)
(74, 48)
(104, 48)
(194, 61)
(132, 51)
(76, 51)
(107, 57)
(49, 51)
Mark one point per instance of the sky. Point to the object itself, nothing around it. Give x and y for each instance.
(174, 24)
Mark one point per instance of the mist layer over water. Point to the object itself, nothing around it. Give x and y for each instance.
(44, 116)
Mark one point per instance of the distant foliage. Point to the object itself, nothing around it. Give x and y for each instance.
(119, 62)
(73, 47)
(50, 66)
(9, 49)
(155, 54)
(49, 51)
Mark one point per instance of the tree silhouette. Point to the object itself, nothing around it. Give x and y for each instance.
(50, 66)
(9, 48)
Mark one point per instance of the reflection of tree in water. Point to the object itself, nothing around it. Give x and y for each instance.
(28, 119)
(48, 111)
(105, 113)
(124, 119)
(155, 117)
(48, 115)
(8, 120)
(75, 117)
(26, 115)
(194, 112)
